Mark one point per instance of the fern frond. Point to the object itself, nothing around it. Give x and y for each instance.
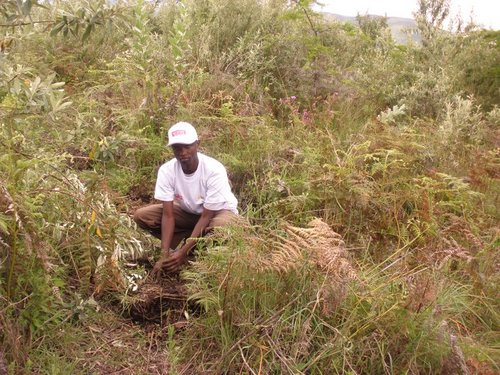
(317, 245)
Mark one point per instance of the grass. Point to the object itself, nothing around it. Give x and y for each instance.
(388, 321)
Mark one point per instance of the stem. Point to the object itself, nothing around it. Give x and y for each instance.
(13, 247)
(13, 256)
(308, 17)
(24, 23)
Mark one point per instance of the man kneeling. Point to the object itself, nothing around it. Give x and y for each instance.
(196, 197)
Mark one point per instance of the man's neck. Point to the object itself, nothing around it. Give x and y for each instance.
(190, 169)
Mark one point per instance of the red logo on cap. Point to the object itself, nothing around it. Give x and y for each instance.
(175, 133)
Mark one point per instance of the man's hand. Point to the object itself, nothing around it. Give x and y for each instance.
(160, 263)
(175, 260)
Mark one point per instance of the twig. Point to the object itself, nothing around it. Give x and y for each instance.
(150, 343)
(12, 304)
(400, 250)
(282, 358)
(261, 360)
(245, 361)
(187, 365)
(307, 16)
(25, 23)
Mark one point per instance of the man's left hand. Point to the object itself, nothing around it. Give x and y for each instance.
(175, 260)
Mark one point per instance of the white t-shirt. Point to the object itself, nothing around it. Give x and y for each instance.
(208, 187)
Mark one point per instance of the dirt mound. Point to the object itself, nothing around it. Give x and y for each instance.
(163, 301)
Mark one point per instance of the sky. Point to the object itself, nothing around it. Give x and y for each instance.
(484, 12)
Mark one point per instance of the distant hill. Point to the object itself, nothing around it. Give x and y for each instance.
(399, 26)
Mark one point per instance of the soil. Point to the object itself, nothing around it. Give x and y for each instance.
(162, 302)
(139, 339)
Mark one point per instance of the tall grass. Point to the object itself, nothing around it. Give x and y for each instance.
(271, 313)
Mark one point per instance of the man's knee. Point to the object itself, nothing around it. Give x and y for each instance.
(148, 217)
(224, 218)
(138, 217)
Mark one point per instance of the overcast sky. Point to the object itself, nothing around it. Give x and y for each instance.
(484, 12)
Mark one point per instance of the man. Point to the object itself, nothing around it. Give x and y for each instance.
(196, 197)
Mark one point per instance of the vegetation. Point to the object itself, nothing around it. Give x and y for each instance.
(368, 171)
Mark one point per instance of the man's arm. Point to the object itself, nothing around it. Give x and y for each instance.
(167, 232)
(167, 226)
(179, 257)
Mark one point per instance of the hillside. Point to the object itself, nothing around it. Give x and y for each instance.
(400, 27)
(367, 174)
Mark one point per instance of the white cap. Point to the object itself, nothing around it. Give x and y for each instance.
(183, 133)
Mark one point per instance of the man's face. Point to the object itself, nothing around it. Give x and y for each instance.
(187, 155)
